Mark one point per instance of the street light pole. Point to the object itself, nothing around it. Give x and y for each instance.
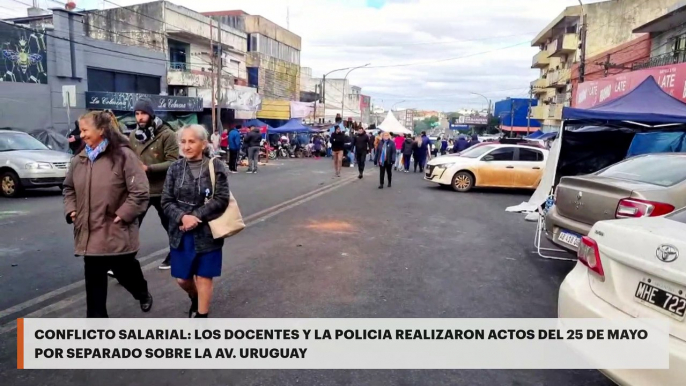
(397, 103)
(343, 92)
(324, 88)
(488, 102)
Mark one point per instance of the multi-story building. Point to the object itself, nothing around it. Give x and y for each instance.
(611, 47)
(558, 43)
(405, 117)
(662, 41)
(68, 73)
(194, 46)
(273, 60)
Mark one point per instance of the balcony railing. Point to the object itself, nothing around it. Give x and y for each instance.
(555, 111)
(539, 112)
(563, 45)
(178, 66)
(673, 57)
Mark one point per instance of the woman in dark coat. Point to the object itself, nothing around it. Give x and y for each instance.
(407, 153)
(190, 202)
(418, 154)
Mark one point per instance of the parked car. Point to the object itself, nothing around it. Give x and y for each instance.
(643, 186)
(493, 165)
(26, 163)
(633, 269)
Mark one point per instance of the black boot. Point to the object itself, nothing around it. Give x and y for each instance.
(194, 306)
(146, 303)
(380, 186)
(199, 315)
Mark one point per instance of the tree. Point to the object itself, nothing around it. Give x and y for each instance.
(420, 126)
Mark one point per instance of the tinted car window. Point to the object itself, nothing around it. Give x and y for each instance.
(476, 152)
(656, 170)
(503, 154)
(530, 155)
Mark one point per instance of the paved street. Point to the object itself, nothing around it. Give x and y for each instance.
(346, 249)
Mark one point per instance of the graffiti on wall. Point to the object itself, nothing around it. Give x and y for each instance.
(24, 55)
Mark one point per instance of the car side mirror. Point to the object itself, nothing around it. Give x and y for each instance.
(487, 158)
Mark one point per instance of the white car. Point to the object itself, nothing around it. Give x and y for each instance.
(496, 165)
(633, 269)
(26, 163)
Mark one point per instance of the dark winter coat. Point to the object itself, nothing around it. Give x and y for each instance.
(338, 141)
(460, 145)
(360, 144)
(99, 192)
(390, 152)
(184, 195)
(407, 147)
(157, 154)
(253, 139)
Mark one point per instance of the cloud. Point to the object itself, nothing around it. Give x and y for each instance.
(475, 34)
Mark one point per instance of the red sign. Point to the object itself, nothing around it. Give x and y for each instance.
(672, 79)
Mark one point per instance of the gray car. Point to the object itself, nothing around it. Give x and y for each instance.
(643, 186)
(26, 163)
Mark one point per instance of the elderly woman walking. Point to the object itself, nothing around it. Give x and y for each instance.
(191, 201)
(104, 193)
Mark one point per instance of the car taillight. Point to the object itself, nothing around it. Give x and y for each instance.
(634, 208)
(589, 255)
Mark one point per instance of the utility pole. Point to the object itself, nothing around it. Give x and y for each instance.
(214, 116)
(219, 76)
(512, 109)
(582, 58)
(528, 112)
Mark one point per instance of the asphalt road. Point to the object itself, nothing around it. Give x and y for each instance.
(345, 250)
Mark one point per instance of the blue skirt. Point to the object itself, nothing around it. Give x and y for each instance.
(186, 263)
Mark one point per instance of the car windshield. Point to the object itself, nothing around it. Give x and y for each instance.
(476, 152)
(19, 141)
(659, 170)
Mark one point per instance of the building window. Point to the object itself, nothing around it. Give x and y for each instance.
(113, 81)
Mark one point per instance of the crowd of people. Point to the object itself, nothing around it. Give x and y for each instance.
(113, 181)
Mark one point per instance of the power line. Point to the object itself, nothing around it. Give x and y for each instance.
(423, 43)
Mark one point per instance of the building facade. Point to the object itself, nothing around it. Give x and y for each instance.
(51, 90)
(273, 58)
(195, 47)
(341, 98)
(665, 62)
(558, 43)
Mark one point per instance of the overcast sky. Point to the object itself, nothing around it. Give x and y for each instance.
(429, 53)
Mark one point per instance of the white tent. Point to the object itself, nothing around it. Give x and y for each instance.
(391, 125)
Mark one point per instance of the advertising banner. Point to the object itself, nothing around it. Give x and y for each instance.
(124, 101)
(670, 78)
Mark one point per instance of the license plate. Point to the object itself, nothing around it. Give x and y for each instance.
(664, 301)
(569, 238)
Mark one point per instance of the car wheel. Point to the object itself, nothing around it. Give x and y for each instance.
(463, 182)
(9, 184)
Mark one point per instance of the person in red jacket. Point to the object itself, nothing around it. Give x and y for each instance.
(224, 142)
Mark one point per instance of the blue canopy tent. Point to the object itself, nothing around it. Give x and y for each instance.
(610, 132)
(294, 125)
(535, 135)
(256, 123)
(647, 104)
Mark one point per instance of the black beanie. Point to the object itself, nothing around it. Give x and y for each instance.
(144, 105)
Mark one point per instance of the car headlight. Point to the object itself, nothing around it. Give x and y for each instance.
(38, 165)
(445, 166)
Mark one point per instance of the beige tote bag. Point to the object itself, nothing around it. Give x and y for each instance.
(231, 222)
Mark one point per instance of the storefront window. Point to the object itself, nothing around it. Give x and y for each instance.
(113, 81)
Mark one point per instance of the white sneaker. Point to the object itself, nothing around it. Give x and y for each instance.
(110, 273)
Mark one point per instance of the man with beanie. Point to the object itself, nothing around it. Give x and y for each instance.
(155, 143)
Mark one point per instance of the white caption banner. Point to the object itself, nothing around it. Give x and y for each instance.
(343, 344)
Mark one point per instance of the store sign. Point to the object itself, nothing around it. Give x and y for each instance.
(671, 79)
(235, 98)
(124, 101)
(473, 120)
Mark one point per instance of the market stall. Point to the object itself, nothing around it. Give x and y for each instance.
(646, 120)
(391, 125)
